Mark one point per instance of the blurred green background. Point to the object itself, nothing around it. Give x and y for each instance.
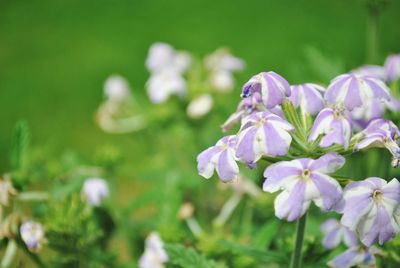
(55, 55)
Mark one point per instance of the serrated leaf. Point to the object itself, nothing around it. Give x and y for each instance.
(189, 258)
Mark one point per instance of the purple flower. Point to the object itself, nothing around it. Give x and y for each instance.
(392, 67)
(351, 90)
(95, 190)
(33, 235)
(154, 255)
(308, 97)
(220, 157)
(371, 70)
(334, 125)
(302, 181)
(370, 206)
(272, 87)
(247, 106)
(334, 233)
(355, 256)
(372, 109)
(380, 133)
(263, 133)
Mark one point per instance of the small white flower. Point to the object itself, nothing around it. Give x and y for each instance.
(162, 85)
(163, 56)
(95, 190)
(200, 106)
(221, 65)
(32, 233)
(154, 255)
(116, 88)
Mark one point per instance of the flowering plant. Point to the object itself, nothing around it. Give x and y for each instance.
(305, 133)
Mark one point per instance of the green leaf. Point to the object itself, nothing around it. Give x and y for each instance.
(20, 144)
(265, 235)
(259, 255)
(189, 258)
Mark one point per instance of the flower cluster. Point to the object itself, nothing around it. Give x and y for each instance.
(303, 132)
(180, 73)
(167, 67)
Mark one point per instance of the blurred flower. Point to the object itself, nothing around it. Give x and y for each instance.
(32, 233)
(334, 125)
(95, 190)
(381, 133)
(222, 59)
(220, 157)
(355, 256)
(221, 64)
(302, 181)
(375, 71)
(370, 206)
(334, 233)
(119, 113)
(116, 88)
(392, 67)
(308, 97)
(154, 255)
(163, 57)
(200, 106)
(263, 133)
(162, 85)
(351, 90)
(272, 87)
(7, 191)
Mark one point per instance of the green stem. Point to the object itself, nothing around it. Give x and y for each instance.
(374, 8)
(296, 257)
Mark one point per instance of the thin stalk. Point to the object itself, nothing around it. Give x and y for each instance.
(296, 257)
(372, 34)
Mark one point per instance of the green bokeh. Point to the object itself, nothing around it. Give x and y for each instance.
(55, 55)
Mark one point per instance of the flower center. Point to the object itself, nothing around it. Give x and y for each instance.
(306, 174)
(377, 195)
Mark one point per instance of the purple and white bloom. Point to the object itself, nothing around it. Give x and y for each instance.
(263, 134)
(355, 256)
(372, 109)
(371, 70)
(309, 97)
(163, 57)
(220, 157)
(351, 90)
(116, 88)
(370, 208)
(200, 106)
(162, 85)
(335, 232)
(334, 125)
(381, 133)
(247, 106)
(154, 255)
(302, 181)
(392, 67)
(33, 235)
(95, 190)
(272, 87)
